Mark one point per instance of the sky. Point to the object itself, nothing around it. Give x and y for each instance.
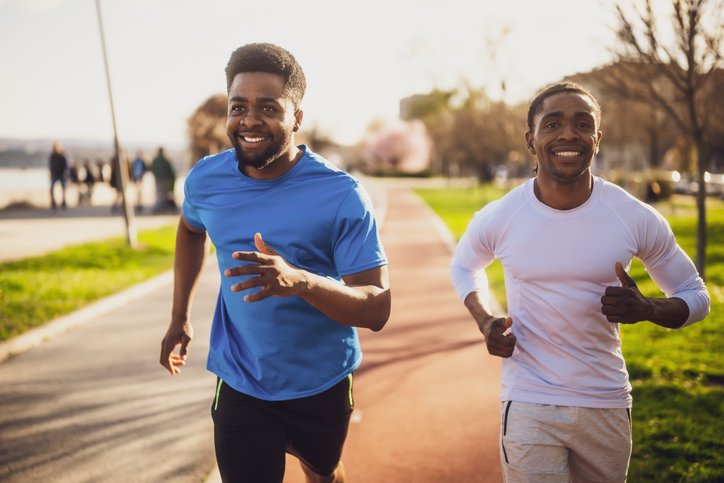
(360, 58)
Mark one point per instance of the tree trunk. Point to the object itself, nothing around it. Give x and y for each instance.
(701, 229)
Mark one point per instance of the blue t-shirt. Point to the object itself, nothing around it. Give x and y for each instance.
(316, 217)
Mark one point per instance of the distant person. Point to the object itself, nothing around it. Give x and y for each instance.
(88, 183)
(117, 185)
(565, 239)
(58, 166)
(165, 177)
(283, 341)
(100, 169)
(138, 170)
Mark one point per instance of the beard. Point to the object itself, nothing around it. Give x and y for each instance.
(257, 161)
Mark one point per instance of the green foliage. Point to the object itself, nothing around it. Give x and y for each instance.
(677, 375)
(38, 289)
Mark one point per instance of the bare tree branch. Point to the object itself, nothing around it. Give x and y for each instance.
(675, 76)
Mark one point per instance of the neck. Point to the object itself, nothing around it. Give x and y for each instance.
(563, 195)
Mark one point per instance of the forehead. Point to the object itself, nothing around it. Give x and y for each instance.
(254, 85)
(567, 103)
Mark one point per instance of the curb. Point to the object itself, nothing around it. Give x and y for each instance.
(55, 327)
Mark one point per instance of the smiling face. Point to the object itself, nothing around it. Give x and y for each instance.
(565, 137)
(261, 122)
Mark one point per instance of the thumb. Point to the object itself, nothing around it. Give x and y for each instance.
(507, 326)
(262, 246)
(626, 281)
(184, 350)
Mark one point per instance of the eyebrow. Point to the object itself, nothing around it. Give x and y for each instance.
(258, 99)
(560, 114)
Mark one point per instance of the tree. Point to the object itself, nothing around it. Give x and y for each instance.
(676, 76)
(470, 132)
(207, 128)
(434, 110)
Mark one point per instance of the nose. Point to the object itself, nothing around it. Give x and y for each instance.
(567, 132)
(250, 118)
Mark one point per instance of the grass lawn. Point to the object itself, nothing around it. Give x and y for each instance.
(677, 375)
(36, 290)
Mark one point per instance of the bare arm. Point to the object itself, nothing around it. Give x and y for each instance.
(498, 341)
(627, 305)
(191, 249)
(362, 301)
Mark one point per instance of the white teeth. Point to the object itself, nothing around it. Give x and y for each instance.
(252, 140)
(568, 153)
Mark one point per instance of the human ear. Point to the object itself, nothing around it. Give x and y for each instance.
(599, 135)
(529, 142)
(298, 116)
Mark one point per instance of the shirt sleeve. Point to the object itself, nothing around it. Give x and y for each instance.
(472, 255)
(356, 245)
(189, 210)
(671, 268)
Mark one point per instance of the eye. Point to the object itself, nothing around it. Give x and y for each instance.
(584, 125)
(236, 108)
(268, 109)
(551, 124)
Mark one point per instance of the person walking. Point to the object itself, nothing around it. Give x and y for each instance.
(117, 184)
(165, 177)
(566, 239)
(58, 166)
(301, 267)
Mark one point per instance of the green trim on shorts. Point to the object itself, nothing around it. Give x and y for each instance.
(351, 399)
(218, 391)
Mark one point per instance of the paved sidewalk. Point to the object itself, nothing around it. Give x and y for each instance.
(94, 404)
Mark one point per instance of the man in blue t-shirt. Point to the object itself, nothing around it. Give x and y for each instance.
(302, 266)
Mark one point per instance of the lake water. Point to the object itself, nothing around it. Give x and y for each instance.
(24, 185)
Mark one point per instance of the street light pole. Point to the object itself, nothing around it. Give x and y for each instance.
(131, 234)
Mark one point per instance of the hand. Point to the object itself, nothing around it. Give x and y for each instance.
(273, 273)
(176, 334)
(499, 337)
(625, 304)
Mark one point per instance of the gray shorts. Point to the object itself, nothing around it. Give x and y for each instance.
(542, 443)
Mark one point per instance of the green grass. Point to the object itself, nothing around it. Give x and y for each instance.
(38, 289)
(677, 375)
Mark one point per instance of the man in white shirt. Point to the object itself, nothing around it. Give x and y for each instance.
(564, 238)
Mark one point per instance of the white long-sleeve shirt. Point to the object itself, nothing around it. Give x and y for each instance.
(557, 265)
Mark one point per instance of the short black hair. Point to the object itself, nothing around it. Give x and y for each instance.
(265, 57)
(551, 90)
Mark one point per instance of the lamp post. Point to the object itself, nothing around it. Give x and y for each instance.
(131, 234)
